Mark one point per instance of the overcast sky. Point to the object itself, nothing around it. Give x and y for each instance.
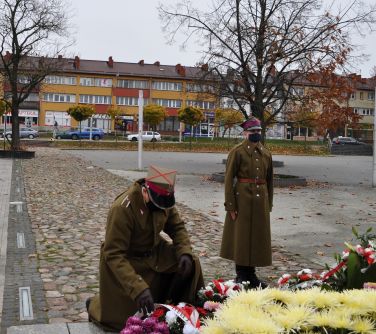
(130, 30)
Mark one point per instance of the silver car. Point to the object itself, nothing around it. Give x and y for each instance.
(24, 133)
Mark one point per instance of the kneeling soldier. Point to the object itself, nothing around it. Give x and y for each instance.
(138, 267)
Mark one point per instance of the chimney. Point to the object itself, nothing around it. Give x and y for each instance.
(157, 63)
(141, 62)
(60, 57)
(7, 56)
(205, 67)
(180, 69)
(76, 63)
(272, 70)
(110, 62)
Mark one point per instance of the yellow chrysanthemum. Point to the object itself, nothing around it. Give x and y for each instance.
(273, 308)
(356, 300)
(320, 319)
(253, 298)
(212, 328)
(366, 326)
(305, 297)
(283, 296)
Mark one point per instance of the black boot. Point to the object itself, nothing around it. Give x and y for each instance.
(255, 283)
(87, 307)
(241, 274)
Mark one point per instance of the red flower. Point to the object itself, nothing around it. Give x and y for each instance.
(209, 293)
(159, 312)
(305, 277)
(201, 311)
(236, 288)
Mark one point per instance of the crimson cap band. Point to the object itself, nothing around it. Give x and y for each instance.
(251, 124)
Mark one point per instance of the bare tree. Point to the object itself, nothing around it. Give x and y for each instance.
(32, 34)
(261, 49)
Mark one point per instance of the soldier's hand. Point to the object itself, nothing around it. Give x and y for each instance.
(185, 265)
(233, 214)
(145, 302)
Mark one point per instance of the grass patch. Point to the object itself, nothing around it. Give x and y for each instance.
(217, 145)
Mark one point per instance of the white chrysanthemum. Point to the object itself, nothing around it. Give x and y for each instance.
(253, 298)
(170, 317)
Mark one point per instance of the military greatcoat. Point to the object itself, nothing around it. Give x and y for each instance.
(132, 230)
(247, 240)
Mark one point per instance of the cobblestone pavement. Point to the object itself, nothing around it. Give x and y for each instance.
(68, 200)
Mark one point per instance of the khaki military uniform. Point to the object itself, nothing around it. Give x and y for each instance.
(135, 257)
(247, 240)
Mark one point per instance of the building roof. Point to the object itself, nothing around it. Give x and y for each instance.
(139, 69)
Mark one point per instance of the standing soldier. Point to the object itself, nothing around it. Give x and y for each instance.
(248, 201)
(137, 265)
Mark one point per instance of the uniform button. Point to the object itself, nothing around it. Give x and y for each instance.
(257, 186)
(248, 146)
(258, 195)
(255, 151)
(256, 159)
(156, 267)
(256, 177)
(140, 279)
(257, 168)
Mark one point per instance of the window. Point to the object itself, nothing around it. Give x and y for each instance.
(95, 99)
(56, 97)
(201, 104)
(361, 95)
(297, 91)
(356, 111)
(165, 85)
(352, 96)
(23, 79)
(191, 87)
(98, 82)
(170, 123)
(128, 101)
(60, 80)
(366, 112)
(168, 103)
(61, 117)
(133, 84)
(371, 96)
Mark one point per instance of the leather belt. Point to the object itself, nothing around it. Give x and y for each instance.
(255, 181)
(147, 253)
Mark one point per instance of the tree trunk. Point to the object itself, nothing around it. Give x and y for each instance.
(16, 144)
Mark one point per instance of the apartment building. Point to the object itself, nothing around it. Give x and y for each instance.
(363, 103)
(105, 84)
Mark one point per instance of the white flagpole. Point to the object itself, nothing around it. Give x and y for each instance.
(140, 126)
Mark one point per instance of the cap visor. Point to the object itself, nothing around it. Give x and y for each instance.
(161, 201)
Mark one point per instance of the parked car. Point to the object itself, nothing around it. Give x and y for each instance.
(96, 134)
(146, 135)
(347, 141)
(24, 133)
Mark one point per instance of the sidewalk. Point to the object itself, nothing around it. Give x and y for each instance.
(68, 200)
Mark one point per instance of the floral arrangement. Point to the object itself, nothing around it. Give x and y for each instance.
(185, 318)
(217, 291)
(302, 311)
(355, 267)
(167, 319)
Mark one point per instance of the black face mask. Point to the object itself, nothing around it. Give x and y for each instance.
(254, 137)
(152, 207)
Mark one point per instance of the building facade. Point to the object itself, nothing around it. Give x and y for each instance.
(105, 84)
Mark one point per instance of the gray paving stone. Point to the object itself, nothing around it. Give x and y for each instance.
(39, 329)
(84, 328)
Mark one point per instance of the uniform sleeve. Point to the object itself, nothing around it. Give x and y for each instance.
(120, 224)
(175, 228)
(269, 182)
(231, 172)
